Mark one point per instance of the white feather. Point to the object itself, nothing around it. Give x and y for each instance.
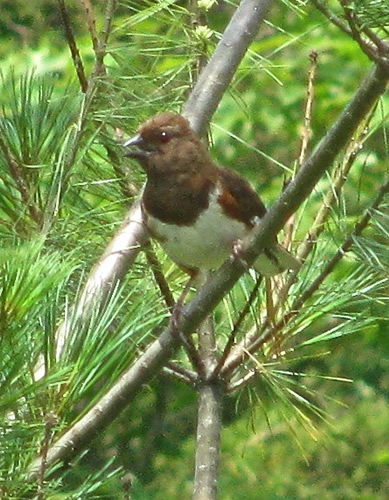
(209, 241)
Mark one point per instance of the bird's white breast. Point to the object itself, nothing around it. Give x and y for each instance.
(206, 243)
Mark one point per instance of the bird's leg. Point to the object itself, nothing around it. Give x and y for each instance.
(186, 341)
(180, 301)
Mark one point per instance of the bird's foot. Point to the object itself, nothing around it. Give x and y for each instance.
(236, 254)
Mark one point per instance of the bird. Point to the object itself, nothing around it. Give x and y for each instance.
(198, 211)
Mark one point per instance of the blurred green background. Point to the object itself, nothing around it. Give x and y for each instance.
(151, 64)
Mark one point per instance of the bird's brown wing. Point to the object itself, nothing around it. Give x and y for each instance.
(240, 201)
(238, 198)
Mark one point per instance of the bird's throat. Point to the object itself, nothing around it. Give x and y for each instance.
(176, 201)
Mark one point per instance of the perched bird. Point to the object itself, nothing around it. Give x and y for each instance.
(195, 209)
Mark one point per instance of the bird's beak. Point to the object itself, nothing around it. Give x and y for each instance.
(134, 141)
(138, 153)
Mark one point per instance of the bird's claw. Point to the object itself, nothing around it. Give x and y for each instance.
(236, 254)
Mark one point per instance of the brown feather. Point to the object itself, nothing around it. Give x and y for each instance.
(239, 200)
(183, 183)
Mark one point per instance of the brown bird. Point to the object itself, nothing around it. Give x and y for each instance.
(195, 209)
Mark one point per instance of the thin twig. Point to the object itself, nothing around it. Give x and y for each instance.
(193, 354)
(218, 73)
(367, 47)
(159, 277)
(236, 327)
(101, 49)
(17, 176)
(307, 131)
(375, 48)
(242, 381)
(332, 17)
(89, 88)
(77, 61)
(305, 138)
(318, 225)
(91, 20)
(180, 373)
(198, 18)
(50, 423)
(237, 358)
(128, 189)
(378, 41)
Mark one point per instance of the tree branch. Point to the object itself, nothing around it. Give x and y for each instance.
(110, 268)
(91, 20)
(317, 227)
(79, 67)
(158, 353)
(208, 441)
(217, 75)
(249, 348)
(21, 185)
(125, 245)
(232, 338)
(215, 78)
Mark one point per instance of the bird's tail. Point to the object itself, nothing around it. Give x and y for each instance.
(275, 260)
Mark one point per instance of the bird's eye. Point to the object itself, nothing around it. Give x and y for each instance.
(165, 137)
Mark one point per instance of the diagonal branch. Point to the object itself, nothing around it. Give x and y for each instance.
(207, 93)
(238, 356)
(231, 341)
(218, 73)
(370, 43)
(89, 89)
(79, 67)
(158, 353)
(317, 227)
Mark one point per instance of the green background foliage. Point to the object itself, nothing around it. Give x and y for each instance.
(79, 191)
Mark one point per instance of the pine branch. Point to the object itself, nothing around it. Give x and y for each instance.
(214, 80)
(109, 270)
(177, 372)
(238, 356)
(158, 353)
(77, 61)
(317, 227)
(159, 277)
(232, 338)
(16, 174)
(102, 45)
(89, 88)
(370, 43)
(91, 20)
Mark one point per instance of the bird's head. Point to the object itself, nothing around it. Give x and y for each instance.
(166, 144)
